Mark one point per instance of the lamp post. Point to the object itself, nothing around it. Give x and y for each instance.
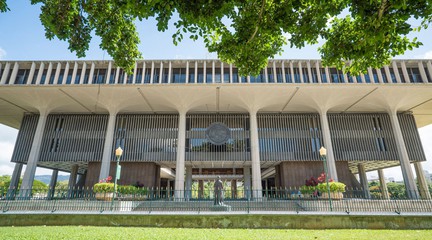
(118, 153)
(323, 154)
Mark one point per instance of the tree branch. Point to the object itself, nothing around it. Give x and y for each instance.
(259, 21)
(382, 9)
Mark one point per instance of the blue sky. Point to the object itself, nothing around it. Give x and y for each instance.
(23, 38)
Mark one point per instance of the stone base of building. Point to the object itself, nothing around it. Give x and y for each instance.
(220, 208)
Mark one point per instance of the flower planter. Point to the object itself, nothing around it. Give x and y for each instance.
(333, 195)
(104, 196)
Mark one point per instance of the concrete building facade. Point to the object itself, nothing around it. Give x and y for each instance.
(180, 121)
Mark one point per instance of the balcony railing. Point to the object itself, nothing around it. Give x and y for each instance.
(204, 72)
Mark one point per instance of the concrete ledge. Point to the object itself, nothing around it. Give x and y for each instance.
(285, 221)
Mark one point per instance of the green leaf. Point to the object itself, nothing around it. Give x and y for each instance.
(246, 33)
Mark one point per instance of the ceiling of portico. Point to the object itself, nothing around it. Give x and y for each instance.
(196, 98)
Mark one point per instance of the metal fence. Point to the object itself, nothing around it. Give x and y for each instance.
(164, 200)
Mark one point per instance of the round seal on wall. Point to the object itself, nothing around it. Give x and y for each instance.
(218, 133)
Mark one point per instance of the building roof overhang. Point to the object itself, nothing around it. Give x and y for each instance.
(17, 100)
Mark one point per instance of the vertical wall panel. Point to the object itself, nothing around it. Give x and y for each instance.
(147, 137)
(287, 137)
(73, 138)
(358, 136)
(25, 139)
(411, 137)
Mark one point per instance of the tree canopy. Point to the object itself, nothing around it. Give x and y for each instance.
(5, 181)
(358, 33)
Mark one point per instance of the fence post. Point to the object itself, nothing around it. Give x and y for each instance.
(5, 208)
(248, 210)
(54, 206)
(101, 205)
(11, 194)
(150, 207)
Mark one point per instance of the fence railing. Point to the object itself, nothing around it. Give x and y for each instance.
(156, 199)
(166, 193)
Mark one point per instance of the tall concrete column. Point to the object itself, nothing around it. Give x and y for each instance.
(53, 180)
(200, 189)
(52, 184)
(107, 151)
(331, 163)
(233, 189)
(29, 174)
(424, 189)
(73, 176)
(5, 73)
(188, 182)
(247, 181)
(277, 176)
(81, 180)
(16, 175)
(72, 181)
(256, 165)
(363, 180)
(48, 73)
(407, 174)
(14, 73)
(383, 185)
(31, 74)
(180, 162)
(200, 185)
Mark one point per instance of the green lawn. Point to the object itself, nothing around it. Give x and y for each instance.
(93, 233)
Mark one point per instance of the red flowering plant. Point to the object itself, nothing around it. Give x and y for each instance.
(104, 185)
(310, 186)
(311, 182)
(106, 180)
(334, 186)
(315, 186)
(322, 178)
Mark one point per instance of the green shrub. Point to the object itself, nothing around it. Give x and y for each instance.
(334, 187)
(307, 189)
(103, 187)
(130, 189)
(375, 191)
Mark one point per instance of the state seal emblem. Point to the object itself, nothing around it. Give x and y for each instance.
(218, 133)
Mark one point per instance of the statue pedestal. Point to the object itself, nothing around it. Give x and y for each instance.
(220, 208)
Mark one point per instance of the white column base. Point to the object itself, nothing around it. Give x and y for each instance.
(29, 174)
(107, 151)
(180, 163)
(331, 163)
(407, 174)
(383, 184)
(256, 165)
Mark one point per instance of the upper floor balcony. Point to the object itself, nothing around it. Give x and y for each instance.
(204, 72)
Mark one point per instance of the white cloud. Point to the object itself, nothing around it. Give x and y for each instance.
(427, 55)
(287, 36)
(2, 53)
(7, 142)
(6, 167)
(426, 138)
(6, 150)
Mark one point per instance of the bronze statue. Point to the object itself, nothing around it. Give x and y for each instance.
(218, 192)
